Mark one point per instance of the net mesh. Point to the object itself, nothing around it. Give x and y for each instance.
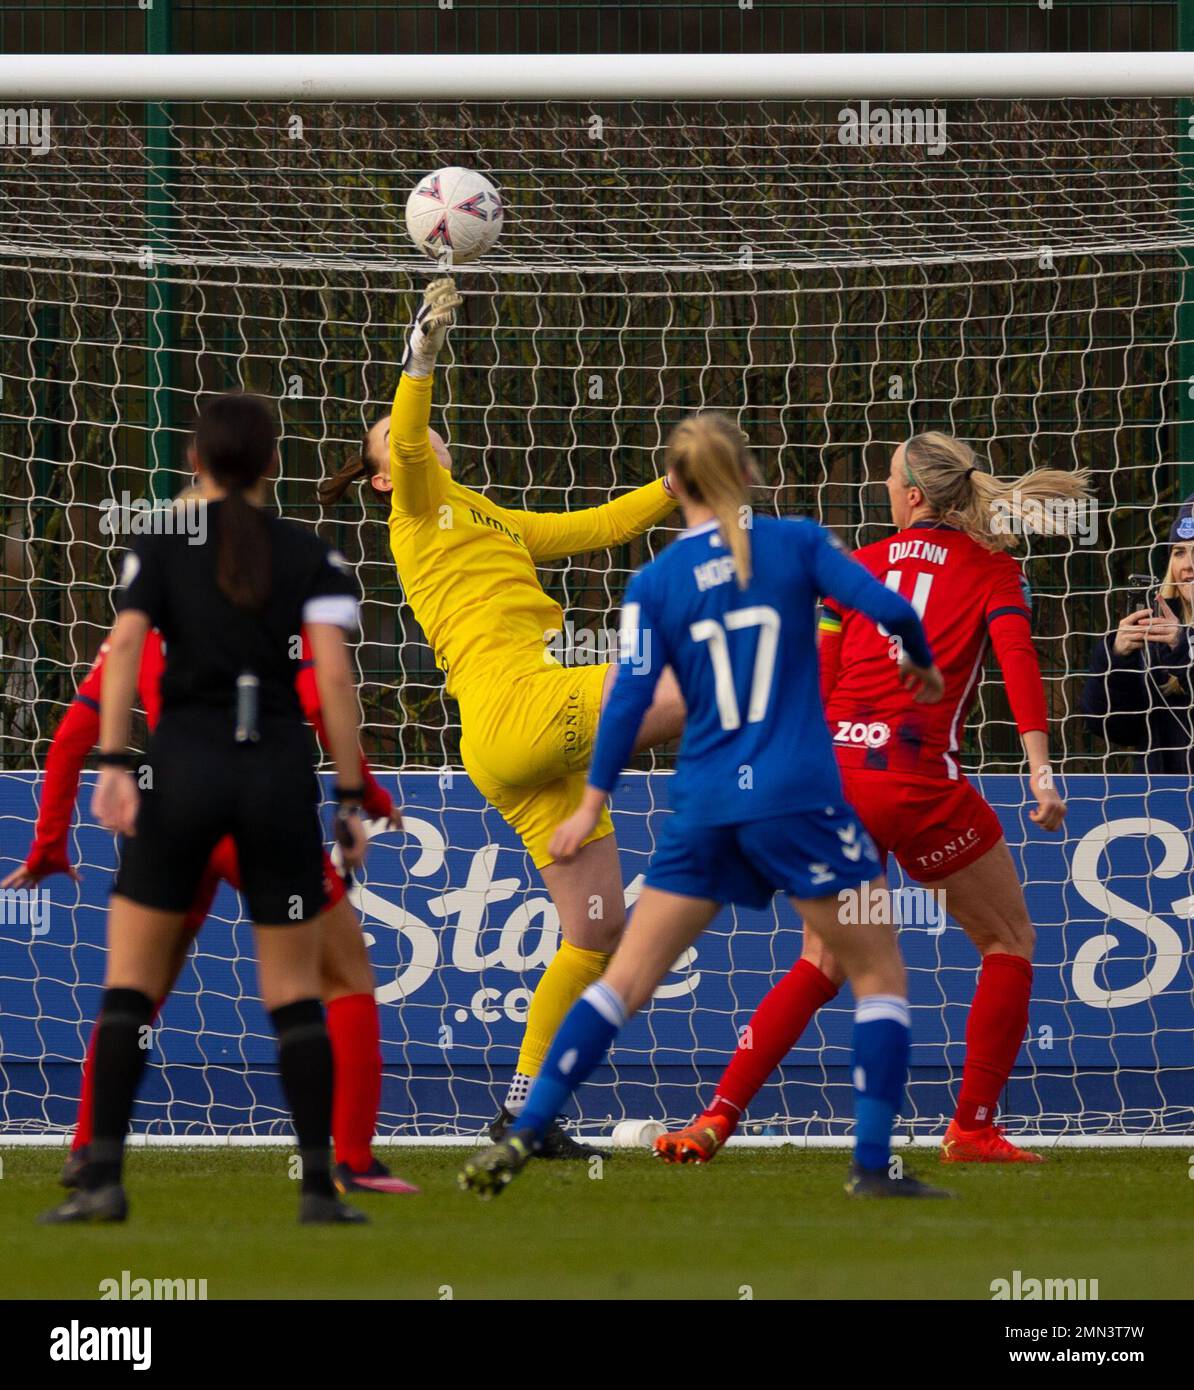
(646, 186)
(1022, 286)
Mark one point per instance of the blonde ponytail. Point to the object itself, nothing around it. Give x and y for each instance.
(994, 513)
(708, 453)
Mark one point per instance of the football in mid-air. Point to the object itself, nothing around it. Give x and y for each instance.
(454, 215)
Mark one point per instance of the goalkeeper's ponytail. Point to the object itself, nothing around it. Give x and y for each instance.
(361, 467)
(708, 454)
(356, 470)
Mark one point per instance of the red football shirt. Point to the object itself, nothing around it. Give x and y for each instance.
(76, 735)
(149, 678)
(968, 598)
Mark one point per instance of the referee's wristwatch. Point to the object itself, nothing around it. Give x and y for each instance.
(122, 758)
(350, 799)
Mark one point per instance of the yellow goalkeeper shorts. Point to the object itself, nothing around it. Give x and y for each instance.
(526, 748)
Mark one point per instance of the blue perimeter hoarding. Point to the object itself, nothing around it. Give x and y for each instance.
(459, 928)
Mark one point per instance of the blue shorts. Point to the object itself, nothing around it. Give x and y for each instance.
(809, 854)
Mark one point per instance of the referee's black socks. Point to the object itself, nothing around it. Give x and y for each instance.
(123, 1037)
(305, 1062)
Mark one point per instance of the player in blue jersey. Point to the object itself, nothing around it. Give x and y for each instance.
(757, 800)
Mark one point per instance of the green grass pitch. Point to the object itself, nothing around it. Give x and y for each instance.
(762, 1223)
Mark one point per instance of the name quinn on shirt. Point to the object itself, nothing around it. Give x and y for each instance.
(916, 550)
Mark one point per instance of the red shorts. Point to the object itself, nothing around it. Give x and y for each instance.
(223, 866)
(934, 827)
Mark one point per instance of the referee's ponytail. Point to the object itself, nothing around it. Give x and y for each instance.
(235, 442)
(708, 454)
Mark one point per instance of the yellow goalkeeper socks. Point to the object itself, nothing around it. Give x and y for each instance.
(570, 973)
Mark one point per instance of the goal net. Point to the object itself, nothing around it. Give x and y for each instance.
(835, 275)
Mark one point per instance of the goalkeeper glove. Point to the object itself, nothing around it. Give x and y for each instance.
(430, 328)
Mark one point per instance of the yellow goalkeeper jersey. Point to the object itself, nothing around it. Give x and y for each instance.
(468, 566)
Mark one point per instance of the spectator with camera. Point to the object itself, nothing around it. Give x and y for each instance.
(1139, 691)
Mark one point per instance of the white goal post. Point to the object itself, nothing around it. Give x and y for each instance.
(837, 250)
(589, 76)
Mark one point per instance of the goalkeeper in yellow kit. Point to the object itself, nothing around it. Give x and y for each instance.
(467, 568)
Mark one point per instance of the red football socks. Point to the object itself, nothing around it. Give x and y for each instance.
(356, 1056)
(771, 1034)
(994, 1031)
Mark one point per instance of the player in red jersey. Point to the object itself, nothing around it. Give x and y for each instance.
(347, 976)
(899, 766)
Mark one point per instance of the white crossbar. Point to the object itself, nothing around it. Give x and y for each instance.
(588, 77)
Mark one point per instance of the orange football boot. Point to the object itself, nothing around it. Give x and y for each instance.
(987, 1145)
(696, 1144)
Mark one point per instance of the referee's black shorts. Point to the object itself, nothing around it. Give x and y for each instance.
(202, 785)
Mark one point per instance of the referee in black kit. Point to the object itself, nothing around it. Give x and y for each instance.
(230, 755)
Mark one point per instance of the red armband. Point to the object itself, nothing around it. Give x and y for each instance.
(829, 650)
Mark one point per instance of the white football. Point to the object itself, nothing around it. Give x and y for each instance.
(454, 215)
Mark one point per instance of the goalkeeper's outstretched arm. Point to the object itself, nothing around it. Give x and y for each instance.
(415, 470)
(556, 535)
